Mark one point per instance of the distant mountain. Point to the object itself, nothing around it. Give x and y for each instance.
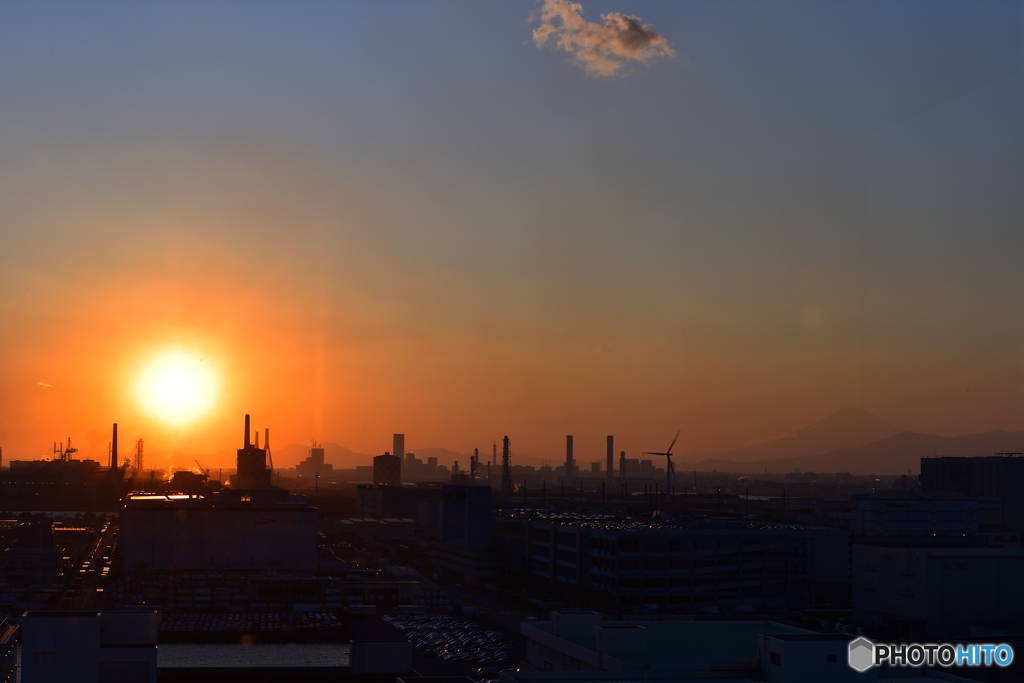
(848, 428)
(893, 455)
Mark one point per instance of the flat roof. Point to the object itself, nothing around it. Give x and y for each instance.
(690, 640)
(668, 677)
(589, 677)
(845, 637)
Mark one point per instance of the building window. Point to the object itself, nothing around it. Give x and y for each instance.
(831, 659)
(775, 658)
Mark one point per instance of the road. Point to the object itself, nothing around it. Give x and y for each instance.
(92, 573)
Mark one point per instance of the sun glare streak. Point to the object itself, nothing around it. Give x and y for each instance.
(177, 388)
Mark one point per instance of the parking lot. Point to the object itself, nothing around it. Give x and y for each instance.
(455, 641)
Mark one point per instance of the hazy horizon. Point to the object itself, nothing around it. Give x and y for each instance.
(836, 432)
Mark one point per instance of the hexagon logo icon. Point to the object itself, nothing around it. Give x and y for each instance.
(862, 654)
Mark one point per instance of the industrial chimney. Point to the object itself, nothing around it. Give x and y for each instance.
(506, 470)
(251, 471)
(611, 455)
(569, 469)
(113, 448)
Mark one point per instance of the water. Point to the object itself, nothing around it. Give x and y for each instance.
(256, 655)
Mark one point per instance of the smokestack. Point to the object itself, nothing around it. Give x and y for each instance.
(256, 439)
(622, 464)
(568, 457)
(611, 455)
(247, 430)
(113, 448)
(506, 471)
(266, 438)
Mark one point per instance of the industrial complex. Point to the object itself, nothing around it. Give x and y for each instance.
(496, 571)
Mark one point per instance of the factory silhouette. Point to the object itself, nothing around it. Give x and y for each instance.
(405, 569)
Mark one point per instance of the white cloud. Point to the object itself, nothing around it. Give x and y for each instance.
(600, 48)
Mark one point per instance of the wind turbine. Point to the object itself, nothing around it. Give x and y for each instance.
(670, 470)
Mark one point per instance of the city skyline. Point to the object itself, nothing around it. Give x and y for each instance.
(455, 221)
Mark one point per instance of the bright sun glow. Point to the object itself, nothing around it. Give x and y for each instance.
(177, 388)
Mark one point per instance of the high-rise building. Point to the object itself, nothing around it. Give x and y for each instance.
(387, 470)
(314, 465)
(398, 446)
(647, 468)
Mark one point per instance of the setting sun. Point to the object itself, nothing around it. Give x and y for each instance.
(177, 388)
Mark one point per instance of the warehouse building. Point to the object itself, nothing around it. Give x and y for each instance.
(1000, 476)
(714, 566)
(217, 531)
(934, 593)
